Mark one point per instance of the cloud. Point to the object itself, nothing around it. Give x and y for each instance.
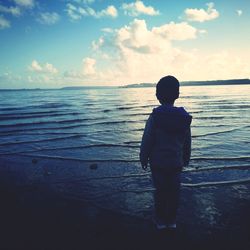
(25, 3)
(89, 66)
(46, 68)
(201, 15)
(4, 23)
(239, 12)
(176, 31)
(136, 36)
(77, 12)
(218, 65)
(135, 53)
(48, 18)
(73, 12)
(137, 8)
(84, 1)
(15, 11)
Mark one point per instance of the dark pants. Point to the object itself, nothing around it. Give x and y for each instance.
(166, 195)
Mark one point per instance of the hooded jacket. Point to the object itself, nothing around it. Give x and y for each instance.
(166, 141)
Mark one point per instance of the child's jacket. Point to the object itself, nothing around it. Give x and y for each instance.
(166, 140)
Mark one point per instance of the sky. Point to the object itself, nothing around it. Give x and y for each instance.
(51, 44)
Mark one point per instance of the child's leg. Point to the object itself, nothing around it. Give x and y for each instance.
(166, 195)
(159, 194)
(172, 197)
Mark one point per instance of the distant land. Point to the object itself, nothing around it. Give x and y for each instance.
(63, 88)
(142, 85)
(193, 83)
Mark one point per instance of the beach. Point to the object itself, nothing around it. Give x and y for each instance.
(71, 177)
(39, 216)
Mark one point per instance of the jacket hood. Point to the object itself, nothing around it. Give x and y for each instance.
(171, 119)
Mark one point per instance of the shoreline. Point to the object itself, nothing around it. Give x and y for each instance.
(43, 217)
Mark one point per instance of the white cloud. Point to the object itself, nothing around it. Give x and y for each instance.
(218, 65)
(46, 68)
(15, 11)
(201, 15)
(176, 31)
(50, 68)
(135, 53)
(137, 8)
(25, 3)
(35, 66)
(48, 18)
(4, 23)
(109, 11)
(89, 66)
(9, 77)
(73, 12)
(84, 1)
(239, 12)
(77, 12)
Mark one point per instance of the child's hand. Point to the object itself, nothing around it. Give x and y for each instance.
(144, 165)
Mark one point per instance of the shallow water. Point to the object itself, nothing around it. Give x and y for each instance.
(67, 130)
(111, 121)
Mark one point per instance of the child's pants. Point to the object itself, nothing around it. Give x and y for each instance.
(166, 195)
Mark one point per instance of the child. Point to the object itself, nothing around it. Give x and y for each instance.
(166, 146)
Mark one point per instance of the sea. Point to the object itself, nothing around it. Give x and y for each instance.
(84, 143)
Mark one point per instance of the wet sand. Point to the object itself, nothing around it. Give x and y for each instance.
(39, 217)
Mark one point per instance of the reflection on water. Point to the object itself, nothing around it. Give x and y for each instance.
(66, 130)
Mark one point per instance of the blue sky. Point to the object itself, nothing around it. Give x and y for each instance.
(60, 43)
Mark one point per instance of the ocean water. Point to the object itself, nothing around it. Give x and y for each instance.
(85, 143)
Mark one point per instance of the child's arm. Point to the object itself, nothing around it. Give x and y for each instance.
(146, 143)
(187, 147)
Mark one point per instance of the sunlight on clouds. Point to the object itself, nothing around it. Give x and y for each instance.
(176, 31)
(4, 23)
(201, 15)
(137, 8)
(89, 66)
(136, 53)
(46, 68)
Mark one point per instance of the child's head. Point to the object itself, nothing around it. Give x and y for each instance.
(167, 90)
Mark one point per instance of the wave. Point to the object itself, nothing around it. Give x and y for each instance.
(65, 148)
(216, 168)
(84, 147)
(53, 128)
(241, 158)
(45, 105)
(20, 117)
(53, 105)
(80, 179)
(51, 122)
(211, 117)
(43, 140)
(191, 185)
(219, 132)
(73, 159)
(183, 184)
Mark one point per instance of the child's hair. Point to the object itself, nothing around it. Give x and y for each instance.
(167, 89)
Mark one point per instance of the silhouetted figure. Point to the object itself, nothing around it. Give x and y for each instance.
(166, 146)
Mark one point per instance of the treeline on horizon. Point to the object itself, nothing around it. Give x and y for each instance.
(146, 85)
(194, 83)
